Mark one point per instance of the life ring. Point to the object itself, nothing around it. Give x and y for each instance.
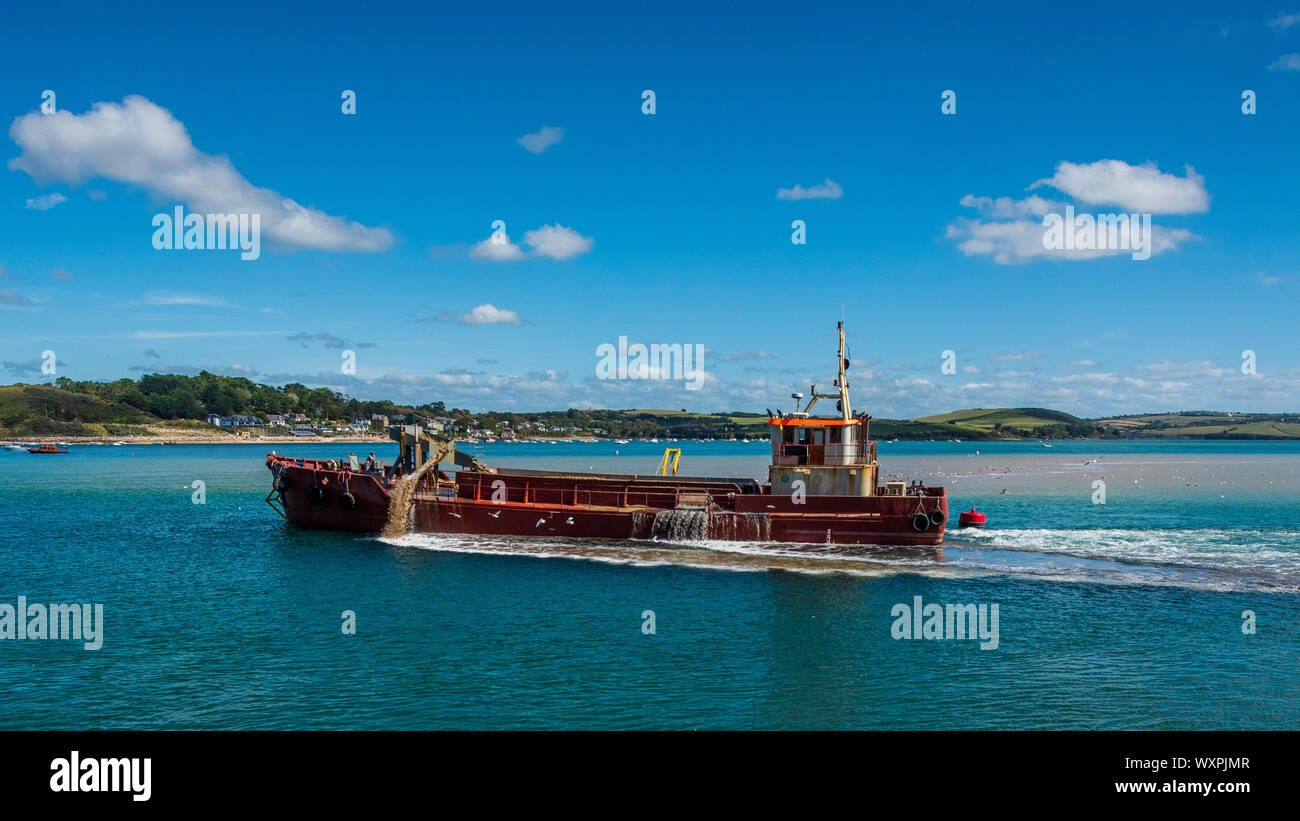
(920, 522)
(282, 484)
(347, 501)
(938, 517)
(316, 495)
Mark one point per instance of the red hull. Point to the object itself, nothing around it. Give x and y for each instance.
(295, 477)
(524, 503)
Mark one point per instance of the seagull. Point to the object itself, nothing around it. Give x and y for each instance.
(495, 514)
(540, 522)
(457, 515)
(569, 521)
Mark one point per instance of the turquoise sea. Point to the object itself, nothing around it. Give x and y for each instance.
(1114, 615)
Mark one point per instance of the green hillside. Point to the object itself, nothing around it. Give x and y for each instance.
(977, 423)
(41, 410)
(1208, 425)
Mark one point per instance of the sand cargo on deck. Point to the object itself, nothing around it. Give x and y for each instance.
(822, 487)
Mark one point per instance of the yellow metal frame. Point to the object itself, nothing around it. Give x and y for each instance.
(276, 501)
(676, 454)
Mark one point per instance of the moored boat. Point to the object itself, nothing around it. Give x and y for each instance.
(46, 449)
(822, 487)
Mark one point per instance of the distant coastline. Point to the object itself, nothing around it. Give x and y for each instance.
(218, 409)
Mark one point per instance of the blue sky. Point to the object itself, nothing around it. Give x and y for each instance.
(664, 228)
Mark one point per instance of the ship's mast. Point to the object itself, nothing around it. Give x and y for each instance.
(842, 382)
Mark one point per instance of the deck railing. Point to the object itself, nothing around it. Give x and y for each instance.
(840, 454)
(481, 488)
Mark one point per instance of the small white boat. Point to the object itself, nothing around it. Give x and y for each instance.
(18, 448)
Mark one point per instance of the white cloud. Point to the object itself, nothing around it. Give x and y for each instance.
(140, 143)
(490, 251)
(1284, 21)
(1141, 188)
(1019, 241)
(1091, 377)
(551, 241)
(170, 298)
(489, 315)
(1007, 208)
(1136, 388)
(557, 242)
(829, 190)
(542, 140)
(1017, 356)
(1202, 369)
(1287, 62)
(46, 202)
(1012, 231)
(9, 298)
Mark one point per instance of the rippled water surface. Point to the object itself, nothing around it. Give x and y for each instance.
(218, 615)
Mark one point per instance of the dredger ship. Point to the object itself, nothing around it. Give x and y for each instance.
(823, 487)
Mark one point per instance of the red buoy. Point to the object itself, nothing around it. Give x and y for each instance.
(970, 519)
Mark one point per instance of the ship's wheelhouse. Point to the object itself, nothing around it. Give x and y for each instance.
(823, 457)
(805, 441)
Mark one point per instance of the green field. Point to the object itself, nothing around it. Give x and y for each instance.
(990, 418)
(984, 423)
(1202, 424)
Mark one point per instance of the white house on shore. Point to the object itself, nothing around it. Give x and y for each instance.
(237, 421)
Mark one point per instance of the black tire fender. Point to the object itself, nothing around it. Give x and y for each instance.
(920, 522)
(347, 501)
(938, 517)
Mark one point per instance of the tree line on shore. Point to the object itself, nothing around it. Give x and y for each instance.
(64, 406)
